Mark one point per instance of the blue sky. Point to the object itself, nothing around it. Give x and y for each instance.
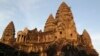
(33, 14)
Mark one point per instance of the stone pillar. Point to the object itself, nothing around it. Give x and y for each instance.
(43, 54)
(58, 53)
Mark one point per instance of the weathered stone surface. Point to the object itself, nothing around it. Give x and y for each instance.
(9, 34)
(50, 24)
(86, 40)
(86, 43)
(66, 24)
(60, 37)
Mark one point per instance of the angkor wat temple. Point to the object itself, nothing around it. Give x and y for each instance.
(59, 38)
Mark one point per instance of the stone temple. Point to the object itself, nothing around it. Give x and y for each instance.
(59, 33)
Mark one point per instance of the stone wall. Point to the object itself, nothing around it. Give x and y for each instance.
(59, 35)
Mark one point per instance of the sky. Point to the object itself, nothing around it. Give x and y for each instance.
(34, 13)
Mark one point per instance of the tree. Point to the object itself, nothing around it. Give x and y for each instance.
(51, 51)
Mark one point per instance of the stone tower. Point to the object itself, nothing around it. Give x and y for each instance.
(86, 40)
(60, 37)
(65, 24)
(50, 23)
(9, 34)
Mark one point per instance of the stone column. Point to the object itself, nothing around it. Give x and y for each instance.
(43, 54)
(58, 53)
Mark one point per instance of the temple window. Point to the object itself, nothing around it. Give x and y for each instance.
(22, 36)
(18, 35)
(71, 35)
(60, 32)
(55, 36)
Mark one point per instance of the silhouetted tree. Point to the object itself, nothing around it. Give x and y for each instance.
(70, 50)
(34, 54)
(51, 51)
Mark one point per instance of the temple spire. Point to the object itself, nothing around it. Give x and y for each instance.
(86, 38)
(11, 28)
(9, 34)
(65, 21)
(64, 13)
(50, 18)
(49, 25)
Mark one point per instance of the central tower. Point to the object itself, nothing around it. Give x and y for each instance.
(66, 24)
(63, 24)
